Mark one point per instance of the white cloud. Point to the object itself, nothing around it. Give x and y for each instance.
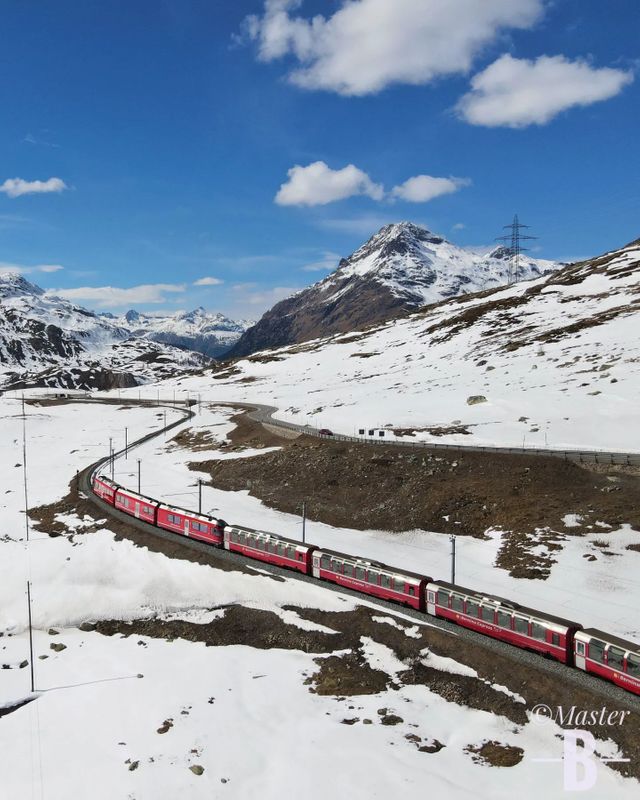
(367, 45)
(459, 226)
(317, 184)
(327, 263)
(115, 297)
(15, 187)
(208, 281)
(515, 93)
(422, 188)
(6, 267)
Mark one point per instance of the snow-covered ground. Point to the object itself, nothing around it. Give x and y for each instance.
(241, 714)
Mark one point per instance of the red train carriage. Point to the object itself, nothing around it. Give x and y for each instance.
(371, 577)
(503, 619)
(269, 547)
(189, 523)
(105, 488)
(617, 660)
(137, 505)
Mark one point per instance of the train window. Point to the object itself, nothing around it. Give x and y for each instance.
(596, 650)
(521, 625)
(336, 566)
(325, 562)
(538, 631)
(281, 549)
(234, 536)
(633, 665)
(290, 552)
(412, 591)
(385, 581)
(347, 570)
(360, 573)
(615, 657)
(457, 602)
(555, 638)
(372, 577)
(504, 619)
(580, 648)
(398, 584)
(472, 608)
(487, 613)
(443, 598)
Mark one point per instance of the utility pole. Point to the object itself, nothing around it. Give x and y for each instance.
(199, 495)
(514, 247)
(126, 443)
(139, 492)
(24, 468)
(304, 519)
(30, 637)
(111, 455)
(452, 539)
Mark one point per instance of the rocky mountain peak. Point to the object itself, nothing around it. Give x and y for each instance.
(13, 284)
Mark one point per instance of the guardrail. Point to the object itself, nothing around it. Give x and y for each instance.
(264, 414)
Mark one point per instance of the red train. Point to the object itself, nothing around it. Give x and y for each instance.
(614, 659)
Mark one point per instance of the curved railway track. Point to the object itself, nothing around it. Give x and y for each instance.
(261, 413)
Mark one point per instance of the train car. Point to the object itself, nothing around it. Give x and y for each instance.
(371, 577)
(268, 547)
(617, 660)
(105, 488)
(191, 524)
(139, 506)
(502, 619)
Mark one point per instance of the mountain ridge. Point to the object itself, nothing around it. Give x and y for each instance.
(400, 268)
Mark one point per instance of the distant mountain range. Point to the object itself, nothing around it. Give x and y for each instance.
(49, 341)
(199, 330)
(401, 268)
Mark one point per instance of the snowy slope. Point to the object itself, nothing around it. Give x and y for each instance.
(199, 330)
(404, 266)
(243, 715)
(48, 341)
(555, 362)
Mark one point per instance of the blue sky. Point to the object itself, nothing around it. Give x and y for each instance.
(150, 140)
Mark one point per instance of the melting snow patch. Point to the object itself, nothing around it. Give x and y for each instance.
(572, 520)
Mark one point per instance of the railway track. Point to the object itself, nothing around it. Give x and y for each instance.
(572, 677)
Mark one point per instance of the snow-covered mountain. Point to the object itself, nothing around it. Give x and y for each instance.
(198, 330)
(554, 362)
(48, 341)
(402, 267)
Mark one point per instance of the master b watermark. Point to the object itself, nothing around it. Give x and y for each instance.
(574, 715)
(579, 758)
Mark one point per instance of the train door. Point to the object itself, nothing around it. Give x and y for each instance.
(316, 566)
(431, 602)
(580, 655)
(186, 527)
(137, 510)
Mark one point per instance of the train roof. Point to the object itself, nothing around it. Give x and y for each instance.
(108, 481)
(504, 602)
(295, 542)
(625, 644)
(377, 564)
(131, 493)
(191, 514)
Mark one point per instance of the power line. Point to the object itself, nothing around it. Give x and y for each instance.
(514, 247)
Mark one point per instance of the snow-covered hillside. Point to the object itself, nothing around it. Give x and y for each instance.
(48, 341)
(404, 266)
(153, 714)
(554, 361)
(199, 330)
